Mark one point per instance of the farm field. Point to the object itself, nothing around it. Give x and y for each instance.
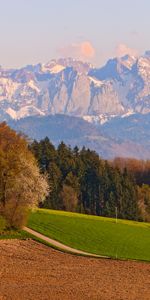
(98, 235)
(30, 270)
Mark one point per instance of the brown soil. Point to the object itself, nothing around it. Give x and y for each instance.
(29, 270)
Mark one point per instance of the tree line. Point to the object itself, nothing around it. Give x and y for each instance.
(80, 181)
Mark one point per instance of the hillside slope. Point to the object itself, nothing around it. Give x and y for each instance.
(99, 235)
(108, 140)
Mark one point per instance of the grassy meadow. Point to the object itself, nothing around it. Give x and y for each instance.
(14, 234)
(103, 236)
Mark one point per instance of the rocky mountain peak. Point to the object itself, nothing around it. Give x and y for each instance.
(147, 53)
(72, 87)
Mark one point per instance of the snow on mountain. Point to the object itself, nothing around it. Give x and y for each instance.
(75, 88)
(52, 68)
(129, 113)
(128, 61)
(24, 112)
(100, 119)
(12, 113)
(33, 86)
(56, 69)
(96, 82)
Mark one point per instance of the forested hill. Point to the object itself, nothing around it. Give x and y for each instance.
(80, 181)
(121, 136)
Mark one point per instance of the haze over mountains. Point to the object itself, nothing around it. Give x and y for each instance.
(109, 107)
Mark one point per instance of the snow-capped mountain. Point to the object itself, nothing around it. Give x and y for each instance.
(75, 88)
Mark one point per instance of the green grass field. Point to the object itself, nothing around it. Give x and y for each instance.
(13, 234)
(98, 235)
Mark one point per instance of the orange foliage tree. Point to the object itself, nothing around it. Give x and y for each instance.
(21, 184)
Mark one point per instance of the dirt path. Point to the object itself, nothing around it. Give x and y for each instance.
(33, 271)
(60, 245)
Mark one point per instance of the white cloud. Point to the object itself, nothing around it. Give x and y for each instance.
(123, 49)
(83, 50)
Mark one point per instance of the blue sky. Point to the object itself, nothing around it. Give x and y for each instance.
(33, 31)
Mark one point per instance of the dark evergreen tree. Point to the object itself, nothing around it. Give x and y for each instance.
(94, 186)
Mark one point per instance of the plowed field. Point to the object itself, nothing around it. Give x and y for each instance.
(30, 270)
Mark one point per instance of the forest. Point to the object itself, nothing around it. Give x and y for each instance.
(80, 181)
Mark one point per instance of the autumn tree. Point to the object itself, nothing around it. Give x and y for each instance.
(21, 184)
(144, 202)
(69, 198)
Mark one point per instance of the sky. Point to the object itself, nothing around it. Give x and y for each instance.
(33, 31)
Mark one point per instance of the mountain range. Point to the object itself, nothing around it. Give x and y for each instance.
(110, 104)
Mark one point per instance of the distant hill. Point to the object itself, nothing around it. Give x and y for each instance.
(134, 128)
(109, 140)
